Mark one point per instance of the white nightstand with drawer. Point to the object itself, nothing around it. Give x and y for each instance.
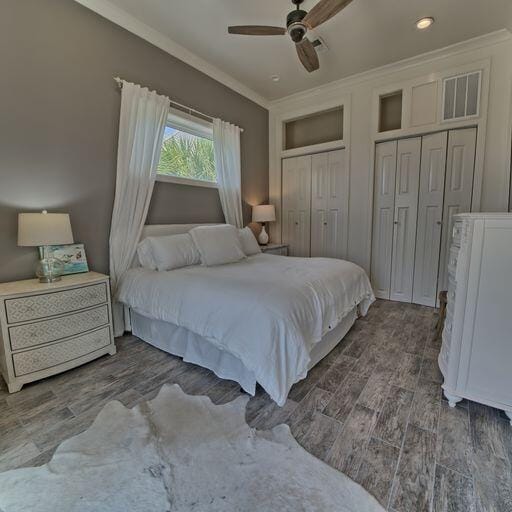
(47, 328)
(279, 249)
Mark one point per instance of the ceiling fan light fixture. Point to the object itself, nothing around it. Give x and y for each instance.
(297, 32)
(424, 23)
(275, 78)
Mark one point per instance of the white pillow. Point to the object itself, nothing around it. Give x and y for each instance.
(173, 251)
(145, 255)
(217, 244)
(249, 243)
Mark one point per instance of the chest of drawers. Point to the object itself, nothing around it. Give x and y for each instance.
(476, 351)
(52, 327)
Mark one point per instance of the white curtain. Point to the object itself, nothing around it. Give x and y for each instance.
(226, 142)
(141, 130)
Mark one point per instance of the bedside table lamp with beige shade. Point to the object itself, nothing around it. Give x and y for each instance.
(263, 213)
(41, 230)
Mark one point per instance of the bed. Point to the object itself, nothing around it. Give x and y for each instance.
(266, 319)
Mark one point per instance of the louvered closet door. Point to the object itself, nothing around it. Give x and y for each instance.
(296, 205)
(329, 205)
(460, 167)
(405, 218)
(430, 217)
(383, 213)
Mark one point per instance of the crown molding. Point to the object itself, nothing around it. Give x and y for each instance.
(120, 17)
(493, 38)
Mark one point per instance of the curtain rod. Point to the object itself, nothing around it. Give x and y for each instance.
(189, 110)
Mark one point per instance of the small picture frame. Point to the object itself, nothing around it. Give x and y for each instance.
(72, 256)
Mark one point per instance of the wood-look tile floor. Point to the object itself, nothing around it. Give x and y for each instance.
(372, 408)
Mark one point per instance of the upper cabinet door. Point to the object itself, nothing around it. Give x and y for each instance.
(405, 218)
(460, 166)
(430, 217)
(329, 205)
(296, 205)
(383, 217)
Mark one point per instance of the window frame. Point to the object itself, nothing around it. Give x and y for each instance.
(194, 126)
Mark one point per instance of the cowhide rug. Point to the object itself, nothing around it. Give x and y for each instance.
(181, 453)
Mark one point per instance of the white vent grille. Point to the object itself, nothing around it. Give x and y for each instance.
(461, 96)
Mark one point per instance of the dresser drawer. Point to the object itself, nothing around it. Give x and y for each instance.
(444, 355)
(453, 257)
(279, 251)
(37, 333)
(452, 273)
(52, 355)
(54, 303)
(457, 233)
(452, 265)
(452, 290)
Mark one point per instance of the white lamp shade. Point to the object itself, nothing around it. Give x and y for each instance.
(264, 213)
(36, 229)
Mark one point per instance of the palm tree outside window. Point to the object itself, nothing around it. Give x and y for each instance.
(187, 152)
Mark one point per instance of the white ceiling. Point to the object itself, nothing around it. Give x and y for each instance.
(365, 35)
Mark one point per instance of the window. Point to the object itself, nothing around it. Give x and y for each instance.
(187, 151)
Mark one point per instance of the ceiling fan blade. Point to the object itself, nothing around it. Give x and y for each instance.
(307, 55)
(323, 11)
(257, 30)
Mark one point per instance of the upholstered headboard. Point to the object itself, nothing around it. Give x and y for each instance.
(168, 229)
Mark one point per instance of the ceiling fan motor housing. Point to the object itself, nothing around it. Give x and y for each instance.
(296, 28)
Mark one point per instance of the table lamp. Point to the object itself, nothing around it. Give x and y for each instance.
(263, 213)
(41, 230)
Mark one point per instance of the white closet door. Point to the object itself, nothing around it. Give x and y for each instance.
(383, 210)
(329, 205)
(460, 166)
(296, 205)
(405, 218)
(430, 216)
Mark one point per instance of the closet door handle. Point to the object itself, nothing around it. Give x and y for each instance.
(438, 222)
(396, 222)
(325, 223)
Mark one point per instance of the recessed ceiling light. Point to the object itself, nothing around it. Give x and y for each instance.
(275, 78)
(424, 23)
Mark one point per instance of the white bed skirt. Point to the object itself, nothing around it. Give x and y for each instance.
(198, 350)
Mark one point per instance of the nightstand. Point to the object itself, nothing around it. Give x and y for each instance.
(47, 328)
(279, 249)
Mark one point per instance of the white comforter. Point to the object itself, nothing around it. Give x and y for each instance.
(267, 310)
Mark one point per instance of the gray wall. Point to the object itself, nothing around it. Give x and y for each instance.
(59, 123)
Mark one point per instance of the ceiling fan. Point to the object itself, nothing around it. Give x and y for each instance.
(298, 22)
